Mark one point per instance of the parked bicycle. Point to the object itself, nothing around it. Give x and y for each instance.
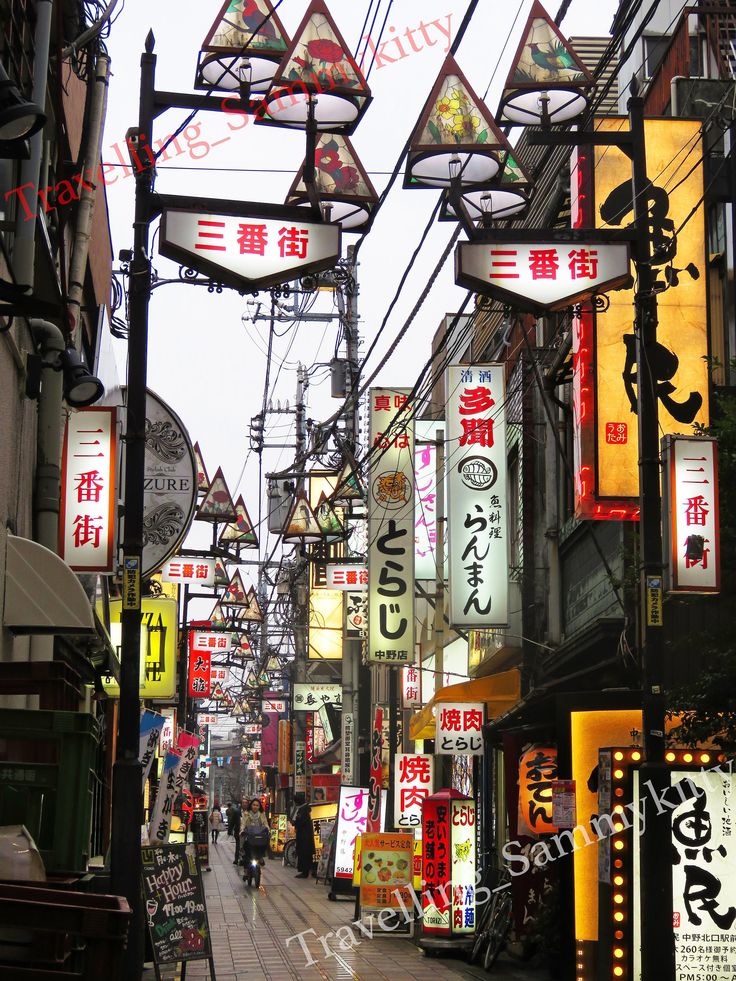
(494, 924)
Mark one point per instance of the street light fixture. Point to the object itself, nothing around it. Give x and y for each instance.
(18, 119)
(81, 388)
(507, 197)
(547, 83)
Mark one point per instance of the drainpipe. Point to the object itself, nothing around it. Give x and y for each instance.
(24, 245)
(89, 168)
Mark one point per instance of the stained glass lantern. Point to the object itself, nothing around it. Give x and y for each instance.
(455, 134)
(318, 71)
(342, 184)
(547, 83)
(246, 40)
(302, 527)
(330, 524)
(507, 197)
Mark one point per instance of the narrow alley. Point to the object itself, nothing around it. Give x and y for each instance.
(251, 931)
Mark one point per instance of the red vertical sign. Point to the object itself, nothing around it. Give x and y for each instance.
(200, 671)
(376, 774)
(436, 866)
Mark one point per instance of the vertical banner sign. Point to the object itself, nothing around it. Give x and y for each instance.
(87, 520)
(300, 766)
(309, 738)
(356, 614)
(348, 761)
(690, 515)
(411, 687)
(460, 729)
(376, 773)
(537, 771)
(151, 726)
(476, 490)
(352, 818)
(425, 540)
(391, 529)
(435, 866)
(158, 832)
(462, 831)
(414, 776)
(200, 671)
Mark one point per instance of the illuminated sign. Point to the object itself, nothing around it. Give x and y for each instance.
(268, 247)
(391, 529)
(476, 488)
(201, 640)
(425, 511)
(326, 618)
(195, 572)
(199, 674)
(537, 277)
(460, 728)
(356, 614)
(352, 815)
(690, 514)
(448, 864)
(411, 687)
(309, 696)
(605, 386)
(159, 626)
(537, 771)
(87, 518)
(414, 778)
(347, 577)
(386, 871)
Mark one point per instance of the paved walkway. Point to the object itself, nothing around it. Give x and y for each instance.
(250, 929)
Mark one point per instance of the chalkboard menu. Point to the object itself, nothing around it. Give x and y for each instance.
(175, 906)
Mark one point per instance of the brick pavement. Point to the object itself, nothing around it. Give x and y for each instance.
(250, 929)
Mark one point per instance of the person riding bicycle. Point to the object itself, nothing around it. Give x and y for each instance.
(254, 836)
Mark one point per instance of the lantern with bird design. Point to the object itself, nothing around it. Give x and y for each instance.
(547, 83)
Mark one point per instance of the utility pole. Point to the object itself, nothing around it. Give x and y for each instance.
(301, 585)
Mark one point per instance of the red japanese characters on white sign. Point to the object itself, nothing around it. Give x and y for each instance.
(349, 577)
(199, 572)
(544, 276)
(87, 522)
(690, 514)
(414, 782)
(411, 687)
(460, 728)
(220, 674)
(203, 641)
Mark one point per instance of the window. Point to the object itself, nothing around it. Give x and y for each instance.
(654, 50)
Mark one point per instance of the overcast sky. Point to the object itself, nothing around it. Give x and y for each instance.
(203, 359)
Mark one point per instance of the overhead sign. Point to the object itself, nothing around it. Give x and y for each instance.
(425, 514)
(349, 577)
(308, 696)
(159, 626)
(277, 705)
(411, 687)
(460, 728)
(202, 640)
(193, 572)
(541, 276)
(476, 490)
(87, 518)
(257, 247)
(690, 518)
(391, 529)
(200, 674)
(414, 775)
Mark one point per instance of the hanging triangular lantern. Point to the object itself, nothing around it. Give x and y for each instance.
(547, 83)
(241, 530)
(342, 184)
(217, 504)
(318, 63)
(507, 197)
(243, 647)
(252, 611)
(249, 680)
(330, 525)
(203, 481)
(349, 486)
(222, 577)
(263, 678)
(235, 594)
(274, 665)
(301, 526)
(246, 40)
(455, 135)
(217, 618)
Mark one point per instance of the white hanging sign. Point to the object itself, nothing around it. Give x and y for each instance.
(476, 489)
(194, 572)
(391, 529)
(348, 577)
(411, 687)
(460, 728)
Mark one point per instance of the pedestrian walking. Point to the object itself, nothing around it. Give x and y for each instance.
(302, 821)
(237, 822)
(215, 823)
(229, 815)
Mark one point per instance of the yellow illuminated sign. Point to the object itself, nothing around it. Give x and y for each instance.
(325, 624)
(159, 622)
(674, 165)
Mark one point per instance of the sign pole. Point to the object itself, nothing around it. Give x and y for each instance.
(127, 799)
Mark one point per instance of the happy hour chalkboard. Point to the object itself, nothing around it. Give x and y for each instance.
(175, 906)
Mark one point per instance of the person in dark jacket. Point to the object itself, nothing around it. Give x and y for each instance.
(302, 821)
(237, 814)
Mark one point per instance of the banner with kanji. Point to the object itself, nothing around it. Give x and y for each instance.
(460, 728)
(200, 671)
(414, 779)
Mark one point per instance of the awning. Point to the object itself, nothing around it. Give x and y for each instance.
(500, 692)
(42, 594)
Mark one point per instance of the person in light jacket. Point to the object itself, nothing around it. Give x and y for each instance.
(215, 823)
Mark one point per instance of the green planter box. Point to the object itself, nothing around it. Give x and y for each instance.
(47, 774)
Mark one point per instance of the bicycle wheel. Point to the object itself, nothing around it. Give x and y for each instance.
(481, 935)
(498, 929)
(290, 853)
